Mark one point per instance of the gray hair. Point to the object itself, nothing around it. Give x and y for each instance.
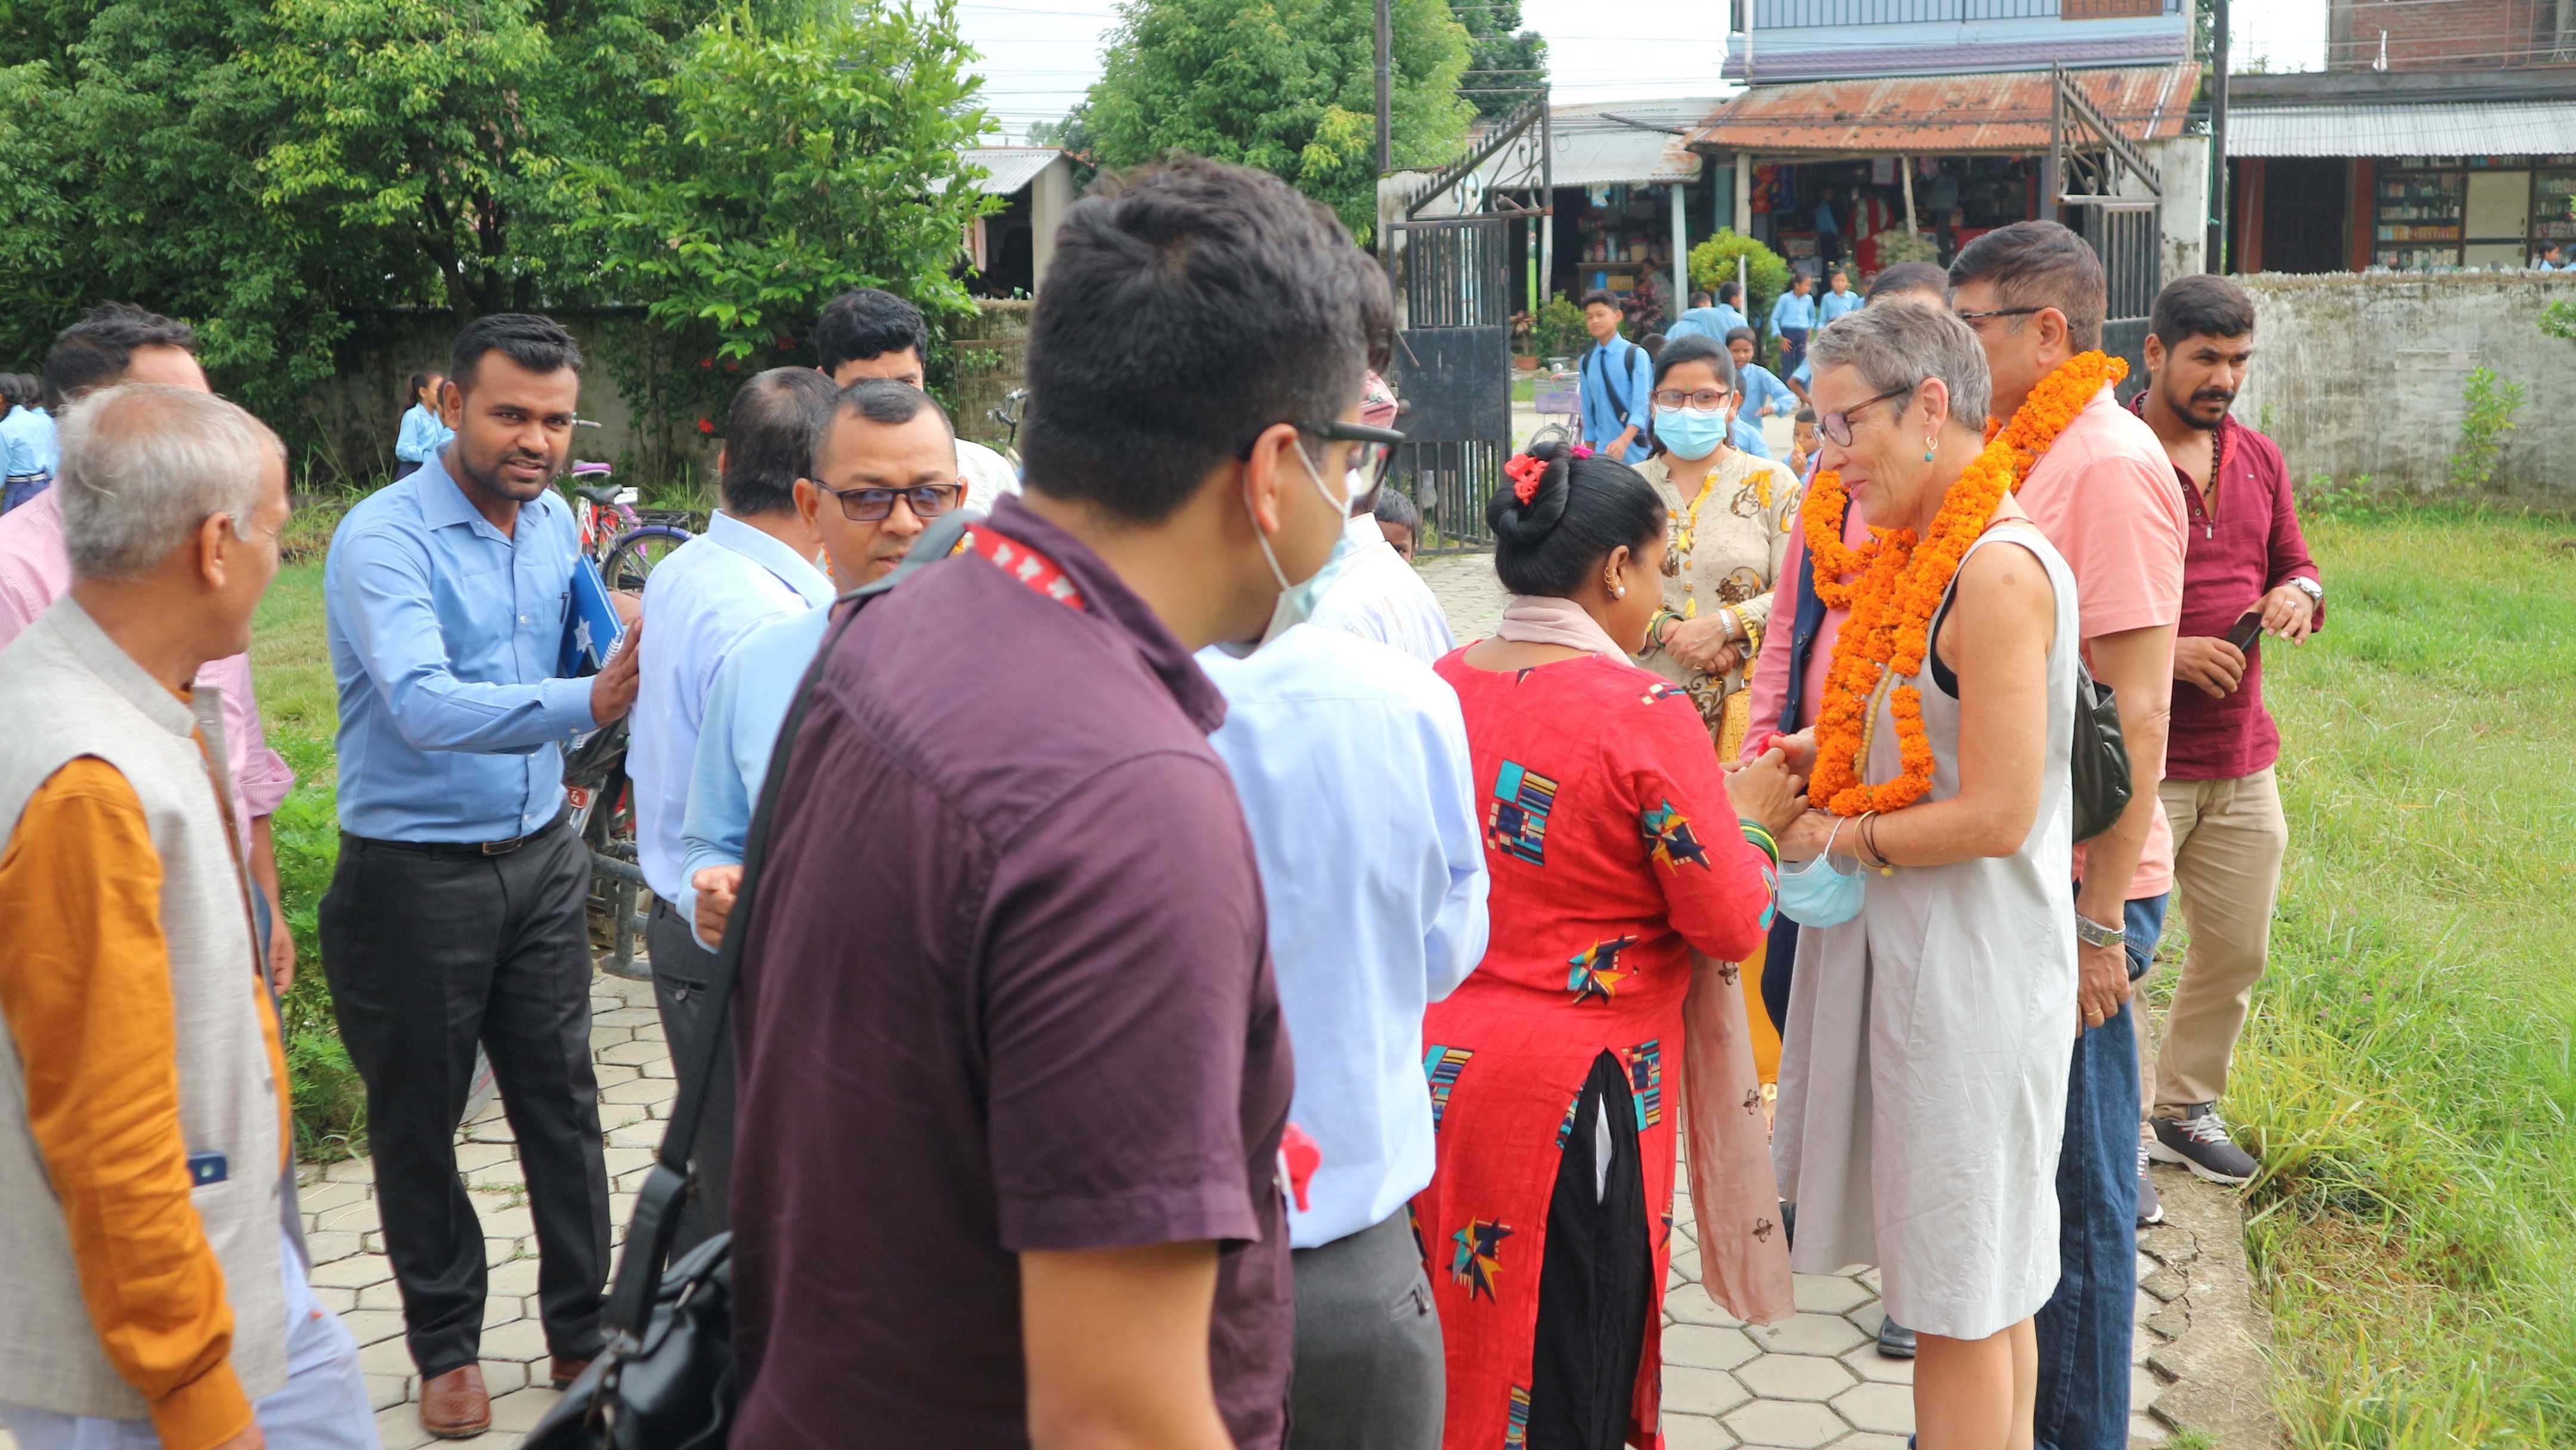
(145, 464)
(1899, 346)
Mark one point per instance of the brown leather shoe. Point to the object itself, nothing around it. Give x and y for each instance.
(561, 1372)
(454, 1406)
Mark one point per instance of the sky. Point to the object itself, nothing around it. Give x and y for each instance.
(1041, 55)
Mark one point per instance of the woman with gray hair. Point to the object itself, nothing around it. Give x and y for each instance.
(1923, 1077)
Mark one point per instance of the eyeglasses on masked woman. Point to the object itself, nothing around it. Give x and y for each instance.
(1698, 400)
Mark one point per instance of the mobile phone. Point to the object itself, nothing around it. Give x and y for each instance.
(2246, 631)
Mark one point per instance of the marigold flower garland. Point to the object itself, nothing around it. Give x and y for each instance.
(1899, 585)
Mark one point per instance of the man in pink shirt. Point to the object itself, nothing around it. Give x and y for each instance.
(121, 344)
(2105, 496)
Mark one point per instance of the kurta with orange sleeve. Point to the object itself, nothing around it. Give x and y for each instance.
(86, 995)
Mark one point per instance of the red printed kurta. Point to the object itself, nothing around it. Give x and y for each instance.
(1614, 851)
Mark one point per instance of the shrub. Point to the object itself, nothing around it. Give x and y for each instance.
(1766, 271)
(1558, 332)
(2487, 418)
(1895, 247)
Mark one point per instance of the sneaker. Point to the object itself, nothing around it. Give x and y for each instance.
(1895, 1341)
(2151, 1209)
(2198, 1140)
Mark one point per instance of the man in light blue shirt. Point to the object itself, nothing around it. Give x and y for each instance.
(1352, 764)
(28, 451)
(1839, 298)
(1616, 379)
(1703, 319)
(456, 915)
(886, 446)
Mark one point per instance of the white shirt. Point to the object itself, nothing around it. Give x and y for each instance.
(1380, 597)
(698, 605)
(987, 476)
(1351, 761)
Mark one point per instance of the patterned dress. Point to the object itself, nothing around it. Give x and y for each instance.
(1614, 852)
(1729, 553)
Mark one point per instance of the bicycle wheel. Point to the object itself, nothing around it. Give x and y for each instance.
(632, 559)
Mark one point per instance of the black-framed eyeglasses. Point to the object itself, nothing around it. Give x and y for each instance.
(1973, 318)
(872, 505)
(1374, 456)
(1837, 426)
(1703, 400)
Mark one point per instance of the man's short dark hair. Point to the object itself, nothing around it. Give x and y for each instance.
(538, 344)
(1728, 291)
(868, 323)
(1806, 416)
(1799, 279)
(1700, 299)
(770, 434)
(1190, 305)
(1745, 333)
(1911, 277)
(1394, 508)
(1602, 296)
(96, 350)
(2200, 305)
(889, 401)
(2040, 264)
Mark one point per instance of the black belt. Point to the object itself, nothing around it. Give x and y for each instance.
(471, 849)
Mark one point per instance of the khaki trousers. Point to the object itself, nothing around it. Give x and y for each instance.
(2229, 837)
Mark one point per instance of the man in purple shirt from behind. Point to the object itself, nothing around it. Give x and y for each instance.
(1013, 1069)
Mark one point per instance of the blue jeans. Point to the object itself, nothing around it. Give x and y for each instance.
(2084, 1329)
(21, 487)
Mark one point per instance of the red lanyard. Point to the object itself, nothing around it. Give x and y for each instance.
(1027, 565)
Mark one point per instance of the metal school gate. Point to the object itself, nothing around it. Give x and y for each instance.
(2088, 160)
(1453, 368)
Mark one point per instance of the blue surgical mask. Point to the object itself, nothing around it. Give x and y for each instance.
(1297, 601)
(1818, 893)
(1689, 433)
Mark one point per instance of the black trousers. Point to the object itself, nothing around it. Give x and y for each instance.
(1596, 1283)
(427, 955)
(680, 969)
(1779, 969)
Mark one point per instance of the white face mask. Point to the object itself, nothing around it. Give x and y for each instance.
(1297, 601)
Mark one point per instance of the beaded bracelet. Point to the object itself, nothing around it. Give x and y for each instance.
(1760, 836)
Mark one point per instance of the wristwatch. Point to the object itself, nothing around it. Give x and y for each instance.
(2315, 591)
(2094, 934)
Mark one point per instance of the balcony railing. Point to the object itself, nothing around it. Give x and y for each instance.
(1826, 14)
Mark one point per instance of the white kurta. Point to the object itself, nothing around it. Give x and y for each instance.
(1923, 1072)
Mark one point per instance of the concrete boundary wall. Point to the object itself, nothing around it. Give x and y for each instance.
(2362, 375)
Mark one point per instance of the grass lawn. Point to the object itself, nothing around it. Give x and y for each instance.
(2408, 1070)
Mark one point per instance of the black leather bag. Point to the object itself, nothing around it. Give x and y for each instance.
(2097, 767)
(666, 1380)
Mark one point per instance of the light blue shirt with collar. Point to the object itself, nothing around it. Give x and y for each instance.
(422, 435)
(744, 712)
(1763, 389)
(1747, 435)
(1836, 304)
(1713, 323)
(1792, 312)
(1620, 370)
(27, 443)
(444, 632)
(699, 604)
(1350, 758)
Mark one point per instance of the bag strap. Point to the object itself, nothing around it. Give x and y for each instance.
(666, 1188)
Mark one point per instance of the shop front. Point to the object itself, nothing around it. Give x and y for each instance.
(2350, 188)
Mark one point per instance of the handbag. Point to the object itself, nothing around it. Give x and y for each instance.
(666, 1379)
(2097, 765)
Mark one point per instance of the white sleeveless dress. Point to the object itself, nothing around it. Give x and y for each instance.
(1923, 1072)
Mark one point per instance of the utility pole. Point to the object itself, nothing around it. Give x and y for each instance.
(1385, 62)
(2215, 261)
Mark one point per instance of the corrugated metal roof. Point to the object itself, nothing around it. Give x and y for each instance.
(1635, 143)
(1011, 167)
(2002, 112)
(2452, 128)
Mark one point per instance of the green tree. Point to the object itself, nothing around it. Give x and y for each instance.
(1284, 85)
(1766, 271)
(1506, 64)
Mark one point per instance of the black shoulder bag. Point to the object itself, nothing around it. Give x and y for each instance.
(2097, 765)
(666, 1379)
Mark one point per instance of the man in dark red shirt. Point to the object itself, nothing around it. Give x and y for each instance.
(2247, 579)
(1014, 1075)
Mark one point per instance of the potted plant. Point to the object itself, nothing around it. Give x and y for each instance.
(1524, 354)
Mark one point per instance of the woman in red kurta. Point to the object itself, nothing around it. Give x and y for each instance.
(1620, 870)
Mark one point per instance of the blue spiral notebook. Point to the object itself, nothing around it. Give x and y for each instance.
(591, 630)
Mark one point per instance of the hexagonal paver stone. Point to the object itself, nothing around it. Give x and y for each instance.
(1788, 1423)
(2147, 1430)
(386, 1356)
(1872, 1442)
(500, 1309)
(1695, 1432)
(1690, 1304)
(1796, 1377)
(519, 1411)
(1829, 1294)
(1871, 1365)
(1705, 1346)
(1684, 1267)
(645, 1090)
(503, 1376)
(521, 1340)
(631, 1054)
(516, 1279)
(1887, 1409)
(399, 1428)
(370, 1326)
(324, 1248)
(356, 1272)
(1868, 1317)
(1826, 1334)
(1701, 1391)
(359, 1217)
(387, 1295)
(331, 1195)
(384, 1391)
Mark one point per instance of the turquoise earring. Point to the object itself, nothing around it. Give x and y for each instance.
(1927, 450)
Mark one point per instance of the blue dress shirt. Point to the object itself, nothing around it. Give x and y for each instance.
(444, 633)
(1747, 435)
(1713, 323)
(1836, 304)
(1792, 312)
(1763, 389)
(703, 601)
(1617, 369)
(422, 435)
(744, 710)
(1351, 761)
(27, 443)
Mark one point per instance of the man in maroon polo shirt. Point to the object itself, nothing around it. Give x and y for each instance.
(2246, 573)
(1013, 1070)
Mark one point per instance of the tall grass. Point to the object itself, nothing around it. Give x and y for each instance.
(2408, 1074)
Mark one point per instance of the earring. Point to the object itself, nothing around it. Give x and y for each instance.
(1927, 449)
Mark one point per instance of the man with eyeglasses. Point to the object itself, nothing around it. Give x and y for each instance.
(754, 565)
(1376, 594)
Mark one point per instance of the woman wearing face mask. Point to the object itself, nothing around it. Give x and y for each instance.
(1731, 516)
(1622, 860)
